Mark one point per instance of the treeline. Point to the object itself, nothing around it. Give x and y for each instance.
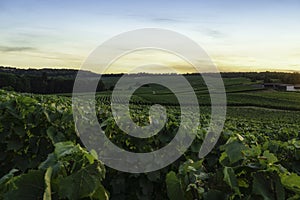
(45, 81)
(63, 73)
(267, 77)
(52, 81)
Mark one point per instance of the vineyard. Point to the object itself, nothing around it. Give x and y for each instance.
(256, 157)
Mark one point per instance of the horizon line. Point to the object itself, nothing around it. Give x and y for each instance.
(116, 73)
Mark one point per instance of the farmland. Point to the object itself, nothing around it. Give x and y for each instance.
(256, 157)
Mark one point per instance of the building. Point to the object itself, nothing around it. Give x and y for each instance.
(282, 87)
(295, 88)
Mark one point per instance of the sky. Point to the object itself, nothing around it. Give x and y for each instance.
(255, 35)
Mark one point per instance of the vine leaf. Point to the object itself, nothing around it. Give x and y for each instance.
(230, 179)
(26, 187)
(174, 187)
(84, 183)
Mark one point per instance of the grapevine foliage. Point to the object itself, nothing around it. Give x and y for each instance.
(43, 158)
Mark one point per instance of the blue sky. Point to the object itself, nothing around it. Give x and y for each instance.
(238, 35)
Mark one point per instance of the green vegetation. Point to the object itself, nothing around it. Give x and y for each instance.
(268, 99)
(45, 81)
(60, 81)
(257, 156)
(240, 92)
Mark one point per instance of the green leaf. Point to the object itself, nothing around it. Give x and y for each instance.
(100, 193)
(8, 176)
(254, 151)
(196, 146)
(65, 148)
(261, 186)
(94, 154)
(297, 154)
(230, 179)
(234, 151)
(174, 187)
(54, 135)
(3, 181)
(27, 186)
(19, 130)
(295, 197)
(146, 186)
(154, 176)
(271, 158)
(83, 183)
(279, 190)
(243, 183)
(14, 144)
(214, 195)
(291, 182)
(49, 162)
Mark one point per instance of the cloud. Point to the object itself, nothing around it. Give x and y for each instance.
(167, 20)
(16, 49)
(155, 18)
(214, 33)
(59, 56)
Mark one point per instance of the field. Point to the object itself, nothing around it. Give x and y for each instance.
(256, 157)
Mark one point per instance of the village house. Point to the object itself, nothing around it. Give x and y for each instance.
(282, 87)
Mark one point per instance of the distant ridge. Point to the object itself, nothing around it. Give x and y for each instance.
(66, 73)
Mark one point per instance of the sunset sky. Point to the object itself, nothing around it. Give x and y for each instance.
(255, 35)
